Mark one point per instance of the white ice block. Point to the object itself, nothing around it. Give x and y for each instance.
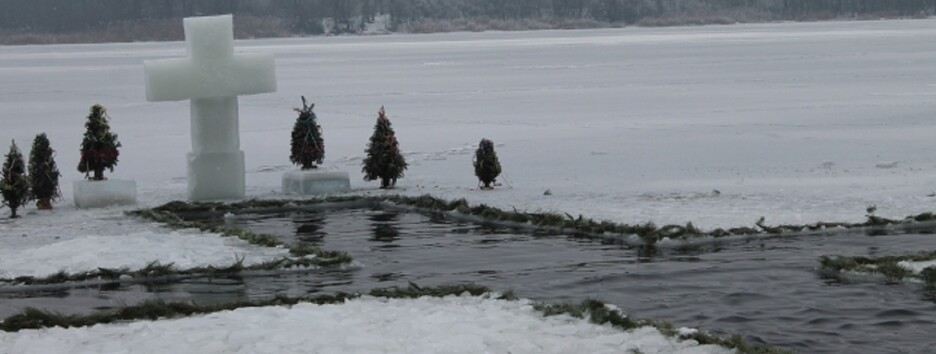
(98, 194)
(316, 181)
(211, 68)
(213, 129)
(182, 79)
(211, 36)
(213, 176)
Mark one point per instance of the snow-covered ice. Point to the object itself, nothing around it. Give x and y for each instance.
(185, 250)
(369, 325)
(787, 121)
(916, 267)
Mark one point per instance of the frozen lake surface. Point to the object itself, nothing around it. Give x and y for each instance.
(796, 122)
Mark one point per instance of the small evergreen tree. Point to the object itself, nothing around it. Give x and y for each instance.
(99, 147)
(486, 165)
(14, 185)
(308, 147)
(383, 160)
(43, 173)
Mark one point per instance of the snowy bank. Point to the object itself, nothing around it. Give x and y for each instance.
(136, 250)
(367, 325)
(919, 267)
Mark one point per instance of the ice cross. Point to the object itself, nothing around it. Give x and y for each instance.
(212, 77)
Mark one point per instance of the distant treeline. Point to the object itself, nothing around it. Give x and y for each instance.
(314, 16)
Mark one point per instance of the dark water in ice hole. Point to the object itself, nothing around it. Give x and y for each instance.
(767, 290)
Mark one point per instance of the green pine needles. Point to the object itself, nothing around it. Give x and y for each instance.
(308, 146)
(15, 185)
(43, 173)
(384, 160)
(99, 147)
(486, 165)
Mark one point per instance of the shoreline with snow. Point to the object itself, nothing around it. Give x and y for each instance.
(403, 320)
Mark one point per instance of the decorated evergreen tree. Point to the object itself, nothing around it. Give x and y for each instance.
(99, 147)
(383, 160)
(486, 165)
(14, 185)
(43, 174)
(308, 147)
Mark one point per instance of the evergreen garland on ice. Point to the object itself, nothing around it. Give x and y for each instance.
(43, 174)
(383, 160)
(308, 147)
(14, 185)
(486, 165)
(99, 147)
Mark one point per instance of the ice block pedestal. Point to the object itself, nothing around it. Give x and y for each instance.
(316, 181)
(99, 194)
(210, 175)
(212, 77)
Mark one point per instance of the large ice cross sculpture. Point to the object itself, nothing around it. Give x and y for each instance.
(212, 77)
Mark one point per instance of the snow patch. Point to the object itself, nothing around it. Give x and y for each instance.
(368, 325)
(916, 267)
(134, 251)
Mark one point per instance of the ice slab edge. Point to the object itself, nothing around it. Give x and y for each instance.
(307, 182)
(99, 194)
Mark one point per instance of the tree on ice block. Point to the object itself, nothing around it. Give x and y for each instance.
(99, 151)
(212, 77)
(308, 149)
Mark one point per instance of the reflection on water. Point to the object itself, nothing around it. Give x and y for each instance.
(766, 289)
(384, 227)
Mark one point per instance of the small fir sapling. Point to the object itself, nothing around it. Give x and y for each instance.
(308, 147)
(43, 173)
(384, 160)
(15, 184)
(486, 165)
(99, 147)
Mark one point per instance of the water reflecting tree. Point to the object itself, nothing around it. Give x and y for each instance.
(385, 228)
(309, 227)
